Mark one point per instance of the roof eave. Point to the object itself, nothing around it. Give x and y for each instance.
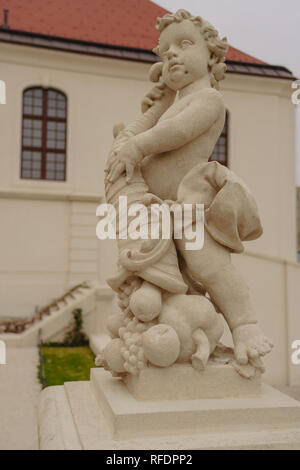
(27, 38)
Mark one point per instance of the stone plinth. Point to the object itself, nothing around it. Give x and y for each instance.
(102, 414)
(127, 417)
(183, 382)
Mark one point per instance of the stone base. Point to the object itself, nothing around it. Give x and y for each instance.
(102, 414)
(183, 382)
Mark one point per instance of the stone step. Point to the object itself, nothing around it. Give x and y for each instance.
(72, 417)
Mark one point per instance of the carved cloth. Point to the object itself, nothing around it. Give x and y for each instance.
(231, 213)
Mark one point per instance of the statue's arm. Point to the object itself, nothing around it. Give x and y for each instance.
(169, 134)
(188, 124)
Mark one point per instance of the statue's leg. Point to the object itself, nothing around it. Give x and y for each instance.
(200, 357)
(213, 268)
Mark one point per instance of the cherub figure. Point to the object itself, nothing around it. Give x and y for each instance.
(173, 157)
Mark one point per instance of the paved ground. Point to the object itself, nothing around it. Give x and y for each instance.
(19, 390)
(293, 392)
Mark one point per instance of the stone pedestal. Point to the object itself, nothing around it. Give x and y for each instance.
(183, 382)
(103, 414)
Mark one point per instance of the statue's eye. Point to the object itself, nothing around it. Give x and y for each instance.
(186, 43)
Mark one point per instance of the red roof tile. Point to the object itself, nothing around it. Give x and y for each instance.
(239, 56)
(118, 22)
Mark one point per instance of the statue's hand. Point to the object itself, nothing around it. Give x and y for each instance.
(250, 344)
(127, 158)
(156, 93)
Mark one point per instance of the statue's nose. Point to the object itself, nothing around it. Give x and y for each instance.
(172, 52)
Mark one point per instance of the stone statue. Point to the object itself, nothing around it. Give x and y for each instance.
(174, 300)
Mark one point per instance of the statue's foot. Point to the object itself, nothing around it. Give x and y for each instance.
(250, 344)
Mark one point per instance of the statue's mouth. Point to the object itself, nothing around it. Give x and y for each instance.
(174, 65)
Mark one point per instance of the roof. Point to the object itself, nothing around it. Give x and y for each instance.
(117, 22)
(112, 24)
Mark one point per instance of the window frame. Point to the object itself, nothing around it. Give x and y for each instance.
(44, 118)
(224, 133)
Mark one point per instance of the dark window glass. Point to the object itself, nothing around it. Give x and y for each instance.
(44, 134)
(220, 153)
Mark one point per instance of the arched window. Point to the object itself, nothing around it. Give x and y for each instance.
(220, 153)
(44, 134)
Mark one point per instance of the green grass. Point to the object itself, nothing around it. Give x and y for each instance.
(65, 364)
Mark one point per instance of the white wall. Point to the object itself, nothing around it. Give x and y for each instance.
(34, 252)
(262, 152)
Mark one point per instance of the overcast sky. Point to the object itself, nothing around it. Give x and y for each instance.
(266, 29)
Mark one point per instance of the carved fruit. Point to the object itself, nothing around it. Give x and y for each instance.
(145, 303)
(112, 355)
(161, 345)
(114, 323)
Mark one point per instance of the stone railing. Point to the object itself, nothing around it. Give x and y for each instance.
(19, 326)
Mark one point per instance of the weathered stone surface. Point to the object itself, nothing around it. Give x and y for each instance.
(160, 158)
(271, 421)
(183, 382)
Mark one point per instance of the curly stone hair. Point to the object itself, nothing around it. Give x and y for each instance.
(217, 47)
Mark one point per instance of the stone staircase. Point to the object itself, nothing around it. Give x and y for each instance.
(52, 321)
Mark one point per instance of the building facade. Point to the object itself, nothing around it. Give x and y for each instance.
(63, 98)
(298, 223)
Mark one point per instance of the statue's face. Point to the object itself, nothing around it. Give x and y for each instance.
(184, 53)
